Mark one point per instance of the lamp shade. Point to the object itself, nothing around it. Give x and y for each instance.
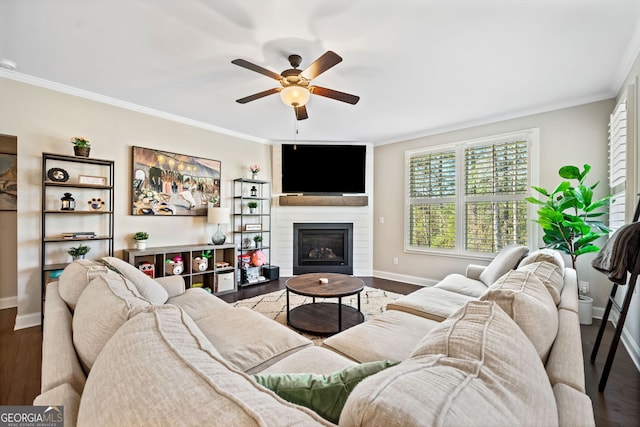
(295, 96)
(218, 215)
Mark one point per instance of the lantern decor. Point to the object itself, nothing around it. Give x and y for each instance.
(254, 191)
(68, 202)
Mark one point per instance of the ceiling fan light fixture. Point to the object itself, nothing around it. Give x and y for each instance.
(295, 96)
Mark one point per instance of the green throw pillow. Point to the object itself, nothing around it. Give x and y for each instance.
(324, 394)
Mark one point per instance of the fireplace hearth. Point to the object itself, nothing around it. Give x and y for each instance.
(322, 248)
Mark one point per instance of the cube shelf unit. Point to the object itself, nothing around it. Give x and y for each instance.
(246, 225)
(220, 280)
(55, 221)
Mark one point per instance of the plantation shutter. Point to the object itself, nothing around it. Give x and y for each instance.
(432, 190)
(496, 183)
(618, 164)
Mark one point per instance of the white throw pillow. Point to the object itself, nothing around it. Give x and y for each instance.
(75, 278)
(148, 288)
(549, 274)
(507, 259)
(526, 300)
(106, 304)
(548, 255)
(475, 368)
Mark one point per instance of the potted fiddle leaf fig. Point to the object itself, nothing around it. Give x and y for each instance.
(568, 216)
(571, 222)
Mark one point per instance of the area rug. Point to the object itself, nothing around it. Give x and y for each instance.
(274, 305)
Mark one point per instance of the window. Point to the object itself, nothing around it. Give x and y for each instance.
(618, 165)
(469, 197)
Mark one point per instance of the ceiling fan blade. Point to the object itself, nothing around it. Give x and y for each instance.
(258, 95)
(334, 94)
(301, 113)
(258, 69)
(322, 64)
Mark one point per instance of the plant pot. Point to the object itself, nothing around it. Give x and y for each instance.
(141, 244)
(81, 151)
(585, 309)
(77, 257)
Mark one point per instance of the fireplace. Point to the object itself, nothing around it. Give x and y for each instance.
(323, 248)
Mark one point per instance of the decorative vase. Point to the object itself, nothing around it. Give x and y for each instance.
(254, 176)
(81, 151)
(141, 244)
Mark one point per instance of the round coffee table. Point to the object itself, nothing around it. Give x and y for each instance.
(324, 318)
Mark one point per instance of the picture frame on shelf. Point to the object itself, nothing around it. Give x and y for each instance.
(92, 180)
(171, 184)
(253, 227)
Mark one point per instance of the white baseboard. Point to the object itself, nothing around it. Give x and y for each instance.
(420, 281)
(8, 302)
(27, 320)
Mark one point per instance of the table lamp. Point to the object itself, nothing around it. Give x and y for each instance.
(218, 216)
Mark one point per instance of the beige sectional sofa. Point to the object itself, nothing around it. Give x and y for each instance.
(122, 349)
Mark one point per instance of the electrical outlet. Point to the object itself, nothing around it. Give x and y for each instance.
(395, 260)
(584, 287)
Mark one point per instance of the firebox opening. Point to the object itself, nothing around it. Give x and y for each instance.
(323, 248)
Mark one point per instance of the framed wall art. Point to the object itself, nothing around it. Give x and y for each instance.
(8, 182)
(167, 183)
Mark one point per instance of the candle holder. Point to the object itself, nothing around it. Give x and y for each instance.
(68, 202)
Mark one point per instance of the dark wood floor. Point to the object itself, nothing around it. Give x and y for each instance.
(619, 405)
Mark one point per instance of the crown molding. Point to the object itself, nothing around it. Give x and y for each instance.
(69, 90)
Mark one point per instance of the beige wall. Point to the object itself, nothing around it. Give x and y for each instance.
(8, 241)
(574, 135)
(43, 121)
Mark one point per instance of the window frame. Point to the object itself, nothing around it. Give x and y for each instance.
(532, 137)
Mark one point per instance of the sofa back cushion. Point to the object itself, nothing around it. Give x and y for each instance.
(475, 368)
(106, 304)
(507, 259)
(548, 255)
(150, 290)
(75, 278)
(159, 369)
(549, 274)
(526, 300)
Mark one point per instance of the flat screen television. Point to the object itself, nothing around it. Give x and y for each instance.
(323, 168)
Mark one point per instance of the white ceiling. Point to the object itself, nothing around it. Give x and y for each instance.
(419, 66)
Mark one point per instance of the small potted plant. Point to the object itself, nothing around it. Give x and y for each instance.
(79, 252)
(252, 206)
(258, 239)
(81, 146)
(141, 238)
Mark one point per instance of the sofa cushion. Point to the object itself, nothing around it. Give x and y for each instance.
(249, 340)
(462, 285)
(526, 300)
(164, 351)
(549, 274)
(565, 363)
(431, 303)
(324, 394)
(150, 290)
(392, 335)
(574, 408)
(106, 304)
(507, 259)
(548, 255)
(475, 368)
(199, 303)
(75, 278)
(310, 360)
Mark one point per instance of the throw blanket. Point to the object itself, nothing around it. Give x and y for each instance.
(620, 253)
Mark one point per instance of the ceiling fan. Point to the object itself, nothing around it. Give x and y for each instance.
(296, 88)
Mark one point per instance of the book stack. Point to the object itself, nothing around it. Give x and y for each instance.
(79, 235)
